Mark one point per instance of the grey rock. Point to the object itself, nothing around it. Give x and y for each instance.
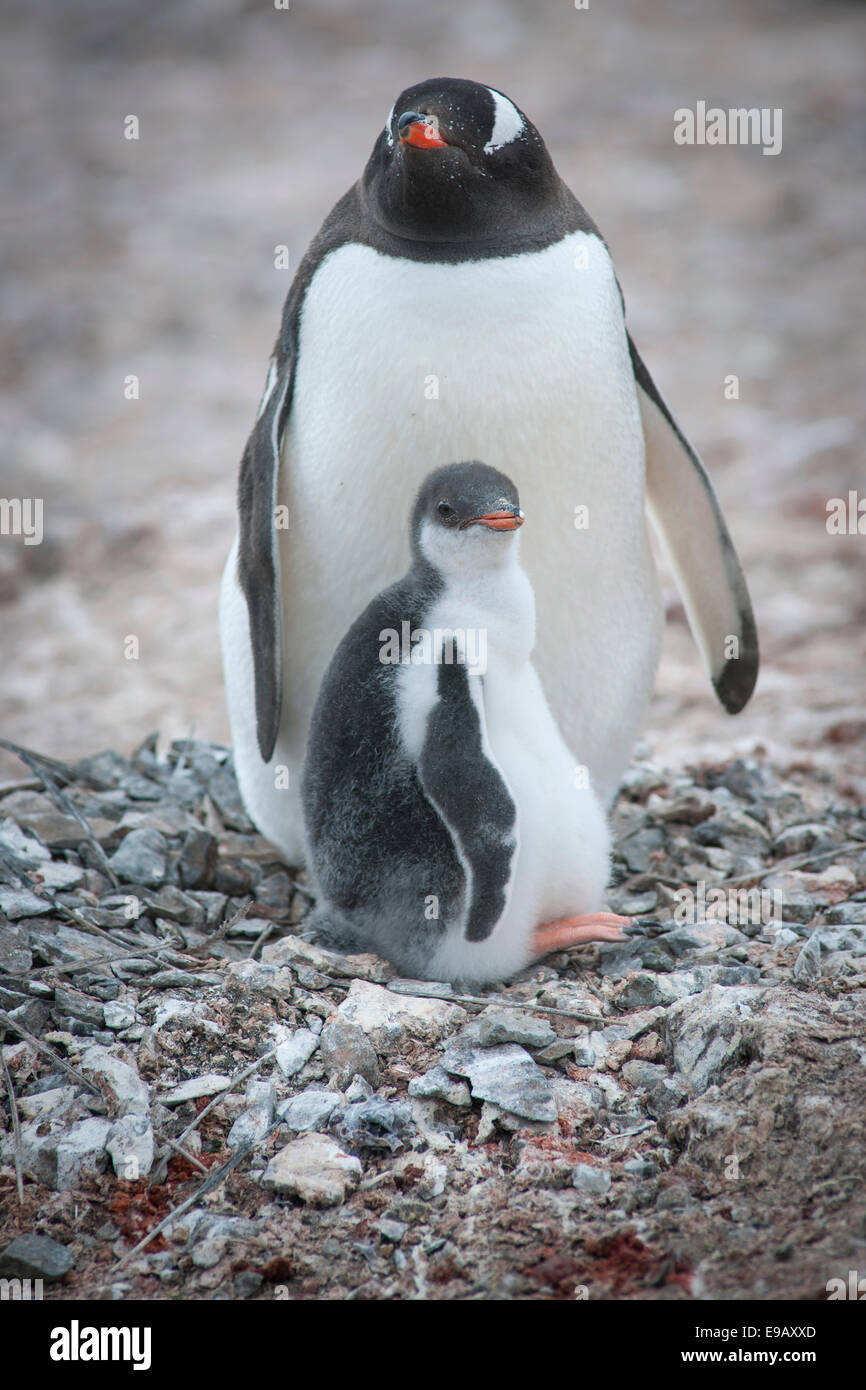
(55, 1100)
(58, 876)
(745, 779)
(33, 1256)
(436, 1084)
(212, 1236)
(375, 1124)
(797, 839)
(390, 1020)
(705, 1032)
(223, 790)
(253, 1123)
(638, 848)
(847, 914)
(118, 1015)
(130, 1143)
(807, 966)
(497, 1025)
(358, 1088)
(310, 1110)
(645, 989)
(20, 902)
(584, 1053)
(346, 1052)
(392, 1231)
(142, 858)
(668, 1094)
(296, 1051)
(703, 937)
(131, 1094)
(210, 1084)
(198, 859)
(59, 1156)
(16, 957)
(78, 1005)
(314, 1168)
(641, 1167)
(507, 1076)
(586, 1178)
(25, 849)
(644, 1075)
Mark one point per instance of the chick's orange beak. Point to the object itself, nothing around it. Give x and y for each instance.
(500, 521)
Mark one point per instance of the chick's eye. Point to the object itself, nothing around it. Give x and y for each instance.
(446, 514)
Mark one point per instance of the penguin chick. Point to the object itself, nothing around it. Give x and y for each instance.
(448, 826)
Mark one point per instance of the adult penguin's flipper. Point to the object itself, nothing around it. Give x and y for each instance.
(258, 547)
(685, 510)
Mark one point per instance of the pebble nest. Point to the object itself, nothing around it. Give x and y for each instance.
(197, 1103)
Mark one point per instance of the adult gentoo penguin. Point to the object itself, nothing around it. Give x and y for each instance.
(457, 303)
(446, 828)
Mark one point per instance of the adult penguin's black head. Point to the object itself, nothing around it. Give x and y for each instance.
(459, 162)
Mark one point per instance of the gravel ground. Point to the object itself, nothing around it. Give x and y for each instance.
(677, 1117)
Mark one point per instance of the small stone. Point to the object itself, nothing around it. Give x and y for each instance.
(392, 1231)
(638, 848)
(210, 1084)
(706, 1031)
(847, 914)
(59, 1156)
(314, 1168)
(375, 1124)
(358, 1089)
(16, 957)
(507, 1076)
(389, 1019)
(78, 1005)
(141, 858)
(641, 1167)
(131, 1146)
(436, 1084)
(247, 1283)
(797, 839)
(57, 876)
(645, 989)
(587, 1178)
(309, 1110)
(187, 1012)
(274, 982)
(223, 791)
(118, 1015)
(20, 902)
(290, 950)
(807, 966)
(296, 1051)
(131, 1094)
(33, 1256)
(667, 1095)
(499, 1025)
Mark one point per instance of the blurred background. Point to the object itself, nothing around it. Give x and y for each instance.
(155, 257)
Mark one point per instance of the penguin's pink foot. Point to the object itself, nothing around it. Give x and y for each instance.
(574, 931)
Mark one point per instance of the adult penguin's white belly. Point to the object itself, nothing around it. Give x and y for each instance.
(521, 362)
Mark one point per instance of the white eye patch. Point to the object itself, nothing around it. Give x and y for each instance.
(389, 134)
(507, 122)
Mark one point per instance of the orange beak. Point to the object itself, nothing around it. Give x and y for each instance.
(499, 521)
(423, 135)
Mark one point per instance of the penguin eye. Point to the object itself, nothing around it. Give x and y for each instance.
(447, 514)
